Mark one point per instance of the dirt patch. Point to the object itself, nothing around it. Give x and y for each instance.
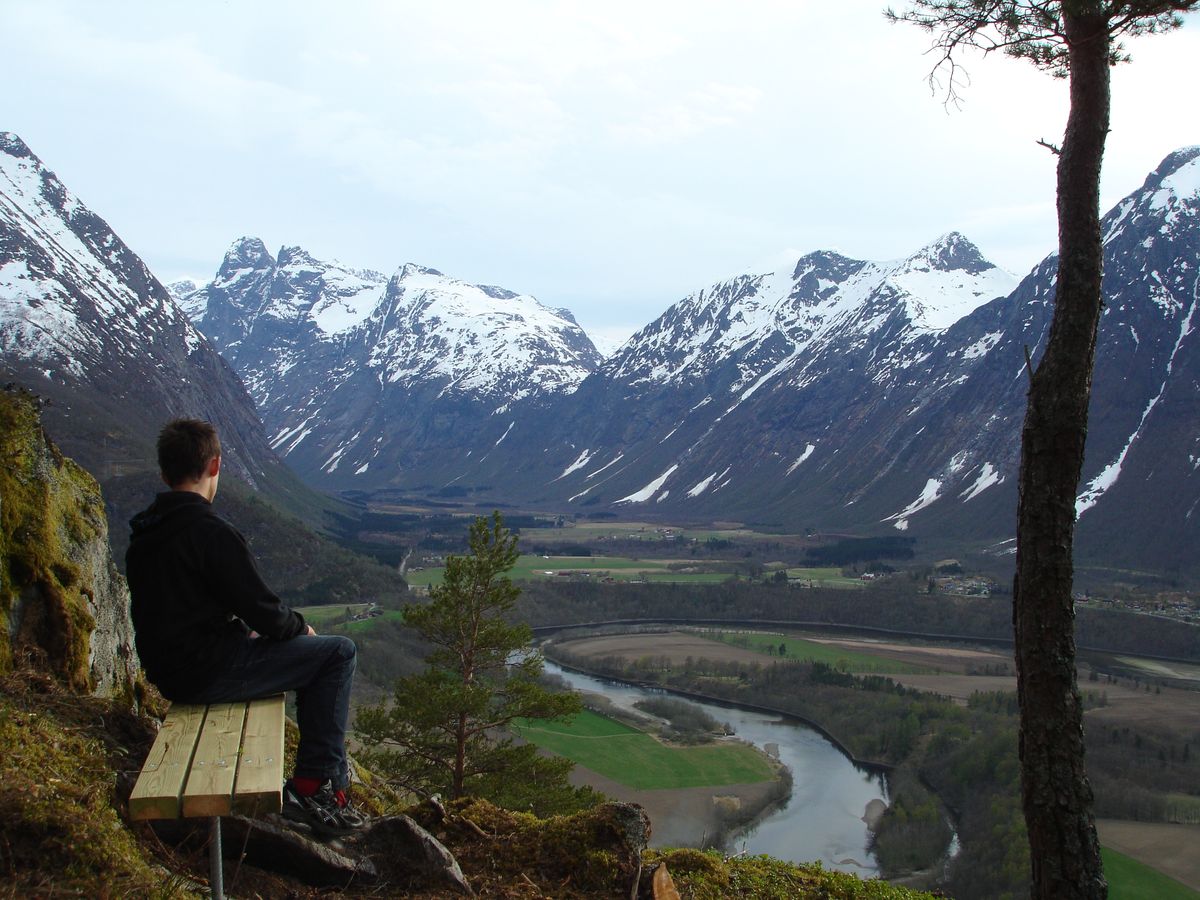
(1171, 849)
(960, 660)
(675, 645)
(681, 817)
(1130, 705)
(678, 645)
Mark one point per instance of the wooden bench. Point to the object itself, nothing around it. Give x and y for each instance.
(212, 761)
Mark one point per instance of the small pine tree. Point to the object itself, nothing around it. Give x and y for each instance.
(442, 731)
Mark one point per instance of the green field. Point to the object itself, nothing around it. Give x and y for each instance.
(1129, 879)
(532, 567)
(811, 651)
(636, 759)
(320, 617)
(362, 626)
(826, 576)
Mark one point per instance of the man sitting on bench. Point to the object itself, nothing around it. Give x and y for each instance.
(208, 630)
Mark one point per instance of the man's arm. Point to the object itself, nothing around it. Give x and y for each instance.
(235, 580)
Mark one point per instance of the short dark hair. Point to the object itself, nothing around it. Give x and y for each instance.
(184, 448)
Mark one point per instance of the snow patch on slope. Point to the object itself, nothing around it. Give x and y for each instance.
(808, 451)
(651, 489)
(1112, 472)
(930, 493)
(580, 462)
(988, 476)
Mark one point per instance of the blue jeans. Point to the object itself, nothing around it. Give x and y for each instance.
(320, 669)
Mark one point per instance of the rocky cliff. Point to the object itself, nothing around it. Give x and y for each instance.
(63, 603)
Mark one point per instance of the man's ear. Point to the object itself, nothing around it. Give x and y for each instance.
(214, 466)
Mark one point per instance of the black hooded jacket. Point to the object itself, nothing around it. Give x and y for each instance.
(194, 590)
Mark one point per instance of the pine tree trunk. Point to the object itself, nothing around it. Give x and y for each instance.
(460, 758)
(1056, 795)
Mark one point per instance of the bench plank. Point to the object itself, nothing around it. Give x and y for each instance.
(259, 785)
(156, 794)
(209, 789)
(213, 760)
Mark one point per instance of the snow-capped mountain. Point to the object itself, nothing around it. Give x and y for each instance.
(414, 365)
(719, 403)
(836, 394)
(85, 324)
(182, 292)
(771, 322)
(887, 396)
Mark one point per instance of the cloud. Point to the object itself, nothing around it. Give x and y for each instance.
(610, 157)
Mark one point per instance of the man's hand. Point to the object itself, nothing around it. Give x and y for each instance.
(310, 631)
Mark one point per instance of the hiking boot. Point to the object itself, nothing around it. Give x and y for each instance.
(321, 812)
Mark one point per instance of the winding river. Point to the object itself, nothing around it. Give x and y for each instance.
(823, 818)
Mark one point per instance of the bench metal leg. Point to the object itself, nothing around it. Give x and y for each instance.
(216, 871)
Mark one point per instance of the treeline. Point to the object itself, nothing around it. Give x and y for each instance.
(1145, 772)
(865, 549)
(890, 604)
(686, 722)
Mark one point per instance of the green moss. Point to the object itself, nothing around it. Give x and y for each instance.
(62, 833)
(707, 875)
(46, 503)
(589, 851)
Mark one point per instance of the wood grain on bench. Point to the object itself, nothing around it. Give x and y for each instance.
(213, 760)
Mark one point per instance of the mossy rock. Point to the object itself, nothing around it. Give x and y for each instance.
(55, 564)
(64, 835)
(595, 853)
(707, 875)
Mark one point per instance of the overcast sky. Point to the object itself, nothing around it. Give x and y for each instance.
(606, 157)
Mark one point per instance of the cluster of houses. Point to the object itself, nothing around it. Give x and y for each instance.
(1170, 604)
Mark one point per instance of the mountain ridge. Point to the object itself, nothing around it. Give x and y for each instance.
(834, 393)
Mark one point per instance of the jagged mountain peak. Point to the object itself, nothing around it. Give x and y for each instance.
(949, 253)
(12, 144)
(410, 269)
(820, 260)
(83, 320)
(26, 175)
(246, 253)
(294, 255)
(1170, 195)
(1179, 172)
(946, 280)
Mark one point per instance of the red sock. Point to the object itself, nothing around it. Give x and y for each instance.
(305, 787)
(341, 798)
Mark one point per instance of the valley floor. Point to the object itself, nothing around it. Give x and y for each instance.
(1173, 850)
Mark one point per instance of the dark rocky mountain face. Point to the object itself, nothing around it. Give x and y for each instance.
(87, 327)
(84, 323)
